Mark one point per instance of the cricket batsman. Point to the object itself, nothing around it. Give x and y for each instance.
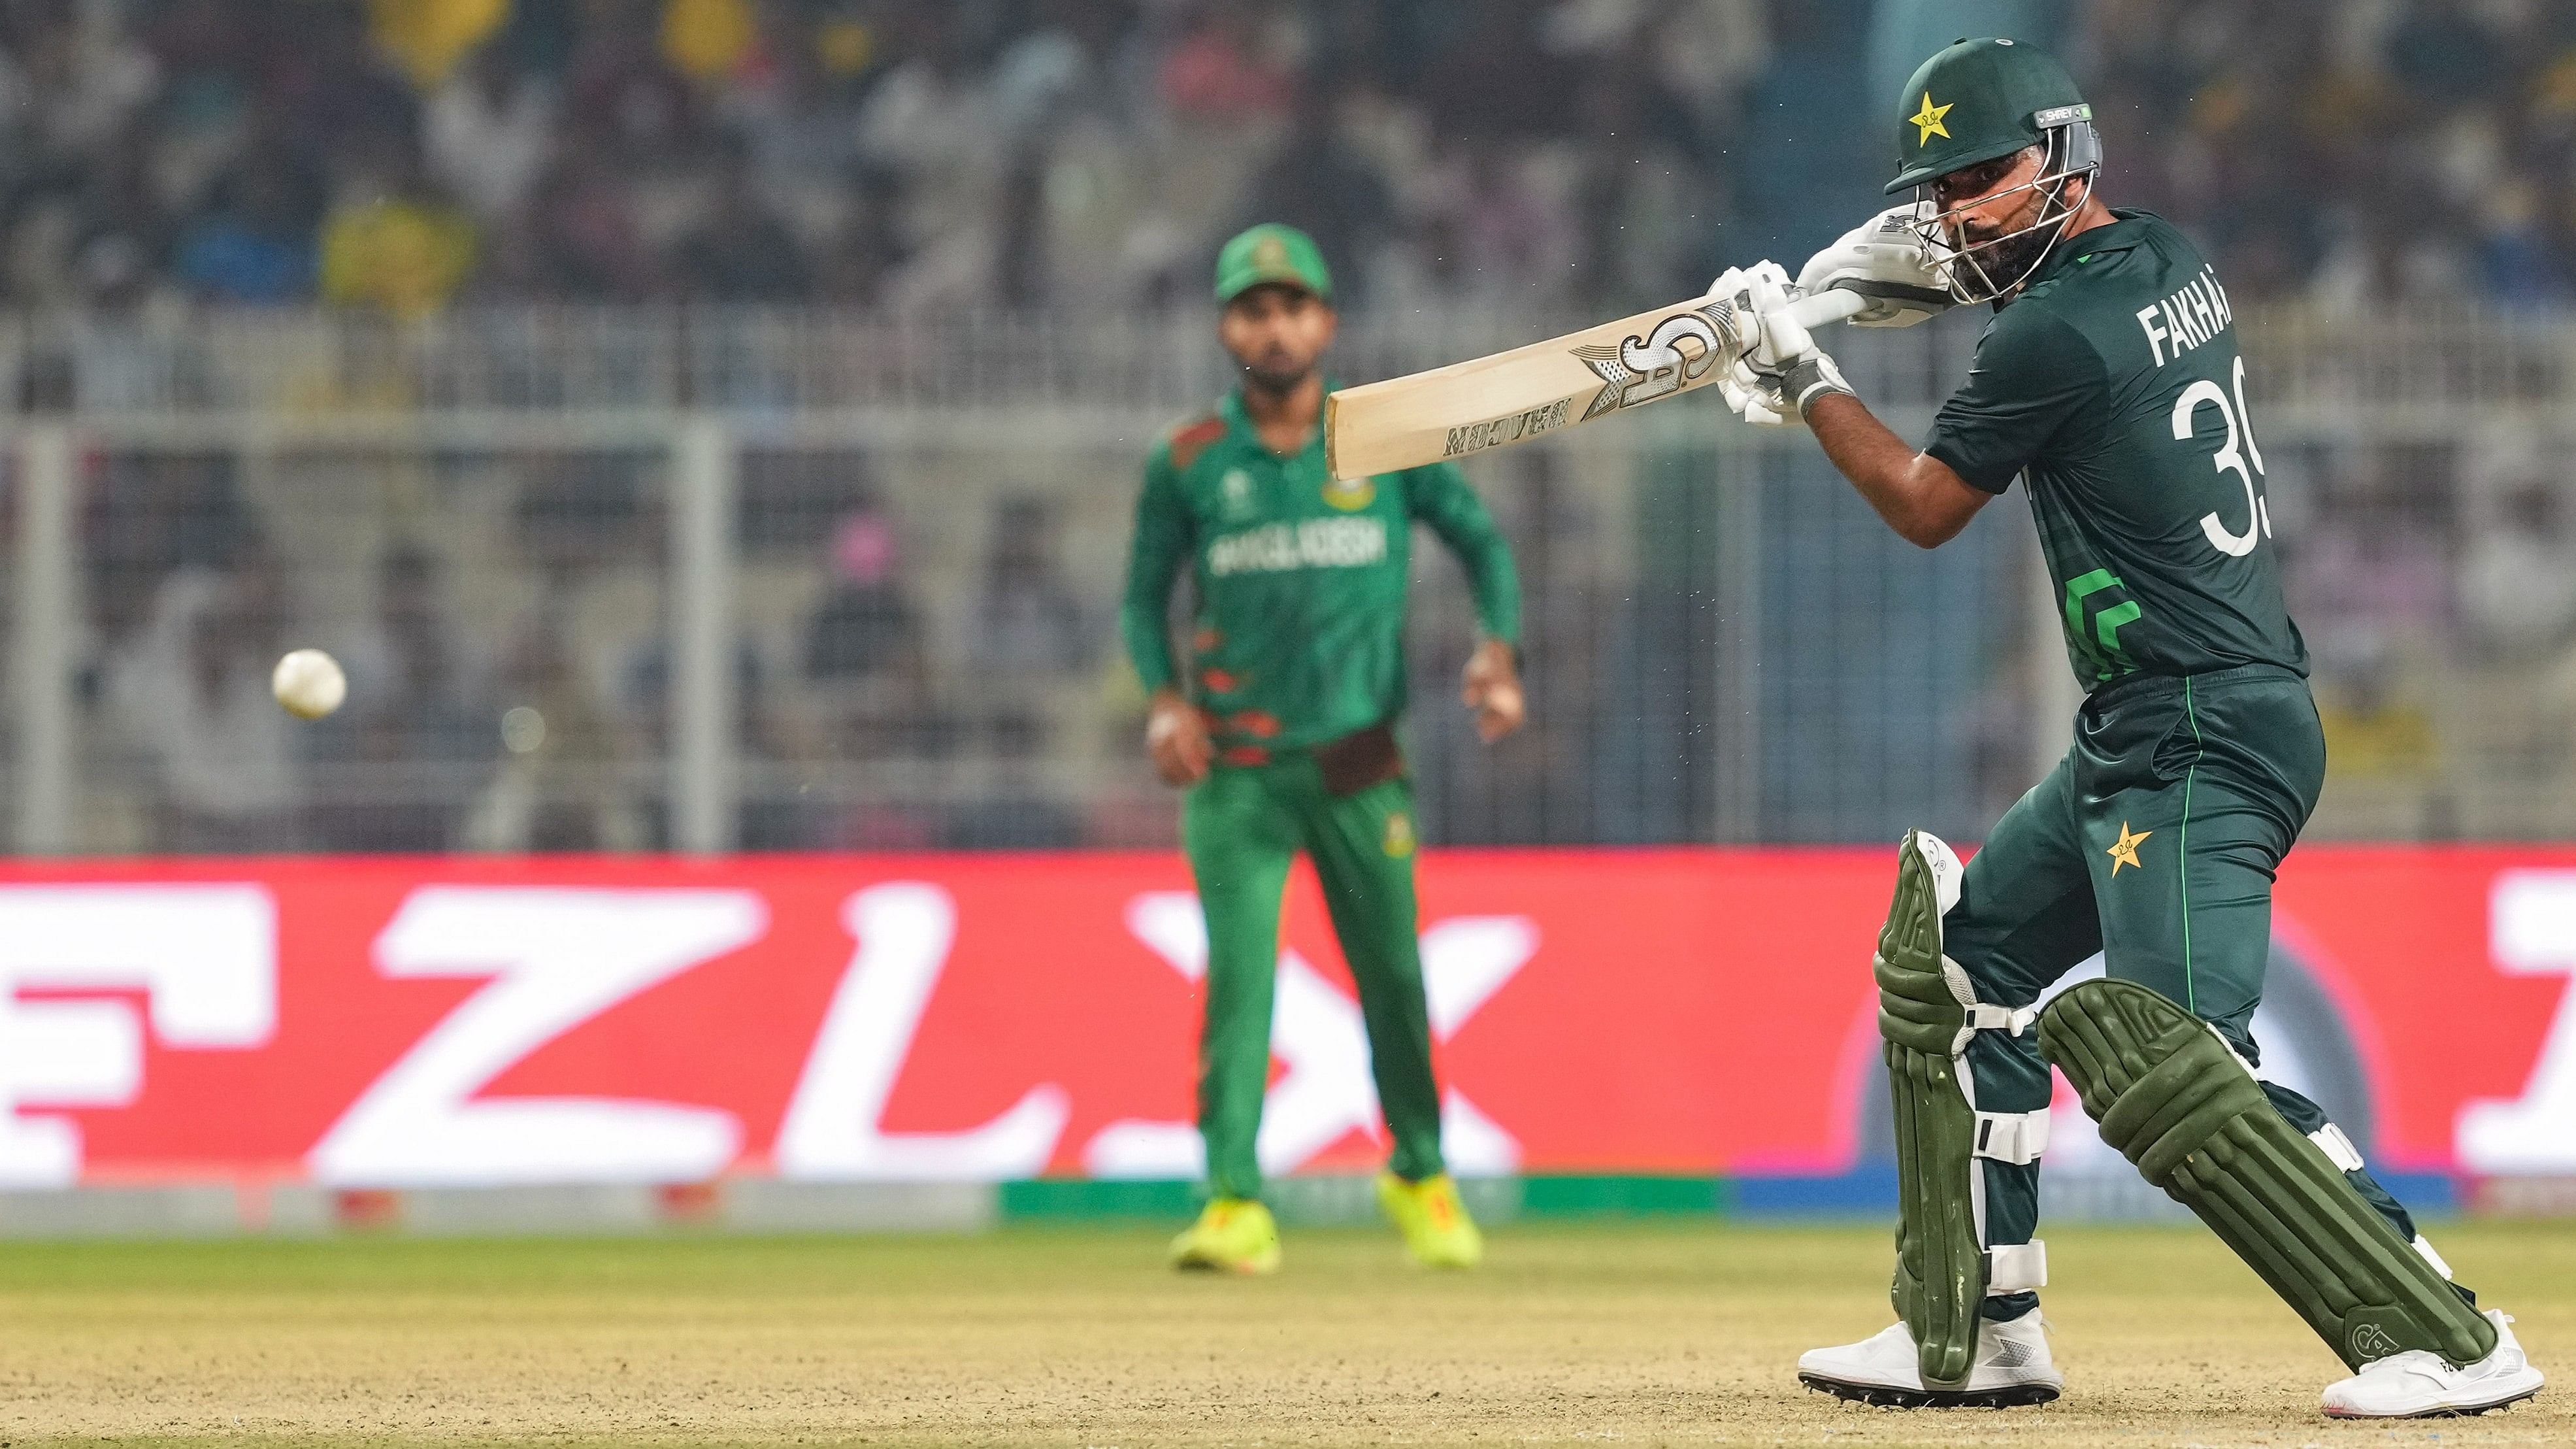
(2109, 381)
(1282, 729)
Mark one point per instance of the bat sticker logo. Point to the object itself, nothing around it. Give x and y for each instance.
(1509, 428)
(1642, 369)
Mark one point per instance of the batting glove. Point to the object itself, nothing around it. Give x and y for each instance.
(1739, 292)
(1789, 370)
(1886, 260)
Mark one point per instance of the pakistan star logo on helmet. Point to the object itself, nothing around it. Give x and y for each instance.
(2010, 100)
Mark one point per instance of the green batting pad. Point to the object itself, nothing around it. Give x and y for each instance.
(2177, 1103)
(1940, 1264)
(1915, 1006)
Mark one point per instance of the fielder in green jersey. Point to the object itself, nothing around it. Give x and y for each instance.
(1282, 729)
(2110, 382)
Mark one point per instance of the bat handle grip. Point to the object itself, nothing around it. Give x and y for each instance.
(1832, 305)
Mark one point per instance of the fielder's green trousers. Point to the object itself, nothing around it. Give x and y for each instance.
(1241, 826)
(2154, 842)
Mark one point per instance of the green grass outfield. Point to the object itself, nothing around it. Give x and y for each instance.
(1646, 1333)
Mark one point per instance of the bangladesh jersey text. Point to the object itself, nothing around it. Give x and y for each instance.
(1297, 629)
(1317, 543)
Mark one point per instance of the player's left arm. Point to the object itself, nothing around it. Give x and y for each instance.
(1440, 497)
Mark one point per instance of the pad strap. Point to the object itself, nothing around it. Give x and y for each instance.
(2337, 1147)
(2015, 1137)
(2016, 1268)
(1986, 1017)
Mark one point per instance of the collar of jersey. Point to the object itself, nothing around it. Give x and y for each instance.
(2127, 231)
(1240, 422)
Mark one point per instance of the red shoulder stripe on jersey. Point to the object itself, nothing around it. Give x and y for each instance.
(1191, 439)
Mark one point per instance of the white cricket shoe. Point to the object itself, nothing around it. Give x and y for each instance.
(2012, 1368)
(2418, 1385)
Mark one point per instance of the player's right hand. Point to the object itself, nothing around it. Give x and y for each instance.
(1491, 687)
(1788, 371)
(1176, 739)
(1886, 260)
(1742, 288)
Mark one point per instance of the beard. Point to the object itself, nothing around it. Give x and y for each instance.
(1277, 373)
(2007, 261)
(2011, 259)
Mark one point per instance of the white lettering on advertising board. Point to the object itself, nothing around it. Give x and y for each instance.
(1316, 1032)
(2531, 925)
(903, 930)
(556, 957)
(204, 958)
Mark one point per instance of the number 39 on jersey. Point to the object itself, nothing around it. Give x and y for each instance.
(2237, 454)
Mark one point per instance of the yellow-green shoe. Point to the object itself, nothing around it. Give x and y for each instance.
(1232, 1235)
(1436, 1228)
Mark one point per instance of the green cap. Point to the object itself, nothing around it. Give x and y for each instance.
(1978, 100)
(1271, 252)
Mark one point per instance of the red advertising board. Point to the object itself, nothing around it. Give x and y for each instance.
(418, 1021)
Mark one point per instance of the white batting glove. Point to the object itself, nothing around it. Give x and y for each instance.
(1738, 284)
(1886, 260)
(1753, 400)
(1789, 370)
(1741, 290)
(1734, 289)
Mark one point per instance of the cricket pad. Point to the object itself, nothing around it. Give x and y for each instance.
(1940, 1285)
(2177, 1103)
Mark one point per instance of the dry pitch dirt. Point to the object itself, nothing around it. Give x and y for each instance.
(1629, 1335)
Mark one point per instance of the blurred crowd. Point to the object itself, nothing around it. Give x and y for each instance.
(408, 155)
(411, 155)
(923, 659)
(923, 656)
(2357, 152)
(512, 690)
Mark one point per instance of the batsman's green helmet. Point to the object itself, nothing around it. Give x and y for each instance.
(1980, 99)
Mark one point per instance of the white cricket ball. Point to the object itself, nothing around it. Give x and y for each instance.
(309, 683)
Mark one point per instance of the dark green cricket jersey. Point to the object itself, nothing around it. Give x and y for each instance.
(2112, 384)
(1299, 632)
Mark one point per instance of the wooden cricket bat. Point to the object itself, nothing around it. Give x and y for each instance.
(1511, 397)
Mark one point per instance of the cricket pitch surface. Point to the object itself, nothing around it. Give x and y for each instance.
(1675, 1333)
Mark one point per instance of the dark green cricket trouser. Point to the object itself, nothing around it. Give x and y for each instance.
(2206, 782)
(1241, 826)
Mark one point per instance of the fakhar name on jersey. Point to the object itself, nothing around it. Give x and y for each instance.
(2190, 317)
